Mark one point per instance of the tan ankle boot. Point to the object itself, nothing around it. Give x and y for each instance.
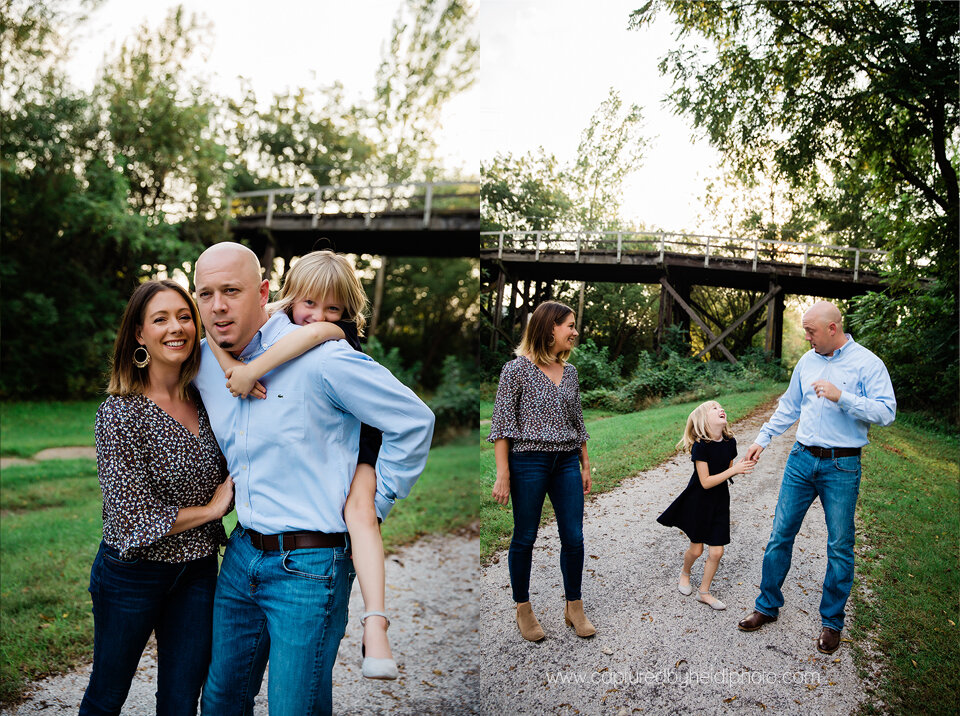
(573, 615)
(530, 628)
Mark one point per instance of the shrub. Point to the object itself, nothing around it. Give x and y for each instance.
(594, 367)
(456, 400)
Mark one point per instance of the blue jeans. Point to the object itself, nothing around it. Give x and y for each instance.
(133, 597)
(534, 475)
(836, 481)
(290, 606)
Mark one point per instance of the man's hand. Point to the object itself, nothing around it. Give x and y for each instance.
(826, 389)
(753, 453)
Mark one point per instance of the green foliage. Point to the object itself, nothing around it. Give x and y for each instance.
(906, 564)
(524, 193)
(678, 375)
(916, 336)
(842, 99)
(594, 367)
(391, 360)
(455, 402)
(432, 56)
(428, 311)
(611, 148)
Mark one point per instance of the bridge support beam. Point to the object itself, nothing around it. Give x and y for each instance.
(774, 337)
(718, 341)
(670, 313)
(696, 319)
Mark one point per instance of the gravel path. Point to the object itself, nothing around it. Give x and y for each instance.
(431, 592)
(657, 651)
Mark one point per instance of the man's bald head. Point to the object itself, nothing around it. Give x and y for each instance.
(239, 258)
(230, 294)
(823, 327)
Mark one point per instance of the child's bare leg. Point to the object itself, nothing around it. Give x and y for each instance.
(689, 557)
(710, 569)
(367, 547)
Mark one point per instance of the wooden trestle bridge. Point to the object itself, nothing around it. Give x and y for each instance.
(411, 219)
(530, 261)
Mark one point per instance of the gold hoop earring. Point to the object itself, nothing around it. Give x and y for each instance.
(552, 341)
(143, 361)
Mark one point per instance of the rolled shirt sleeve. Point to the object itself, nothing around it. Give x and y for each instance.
(132, 513)
(358, 385)
(577, 409)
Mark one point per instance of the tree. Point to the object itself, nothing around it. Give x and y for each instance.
(432, 56)
(524, 193)
(611, 148)
(815, 92)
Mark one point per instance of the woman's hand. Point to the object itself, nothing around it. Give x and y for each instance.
(744, 466)
(242, 381)
(501, 487)
(587, 481)
(219, 504)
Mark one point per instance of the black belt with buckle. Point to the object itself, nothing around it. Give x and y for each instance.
(822, 452)
(296, 540)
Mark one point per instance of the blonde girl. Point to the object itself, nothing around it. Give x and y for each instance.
(321, 293)
(702, 510)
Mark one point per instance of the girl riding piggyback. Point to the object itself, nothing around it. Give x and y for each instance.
(322, 294)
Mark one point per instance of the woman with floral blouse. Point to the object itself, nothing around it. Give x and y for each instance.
(165, 489)
(540, 445)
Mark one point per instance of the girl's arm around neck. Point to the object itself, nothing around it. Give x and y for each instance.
(295, 343)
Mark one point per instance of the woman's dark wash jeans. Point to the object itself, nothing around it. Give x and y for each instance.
(532, 476)
(133, 597)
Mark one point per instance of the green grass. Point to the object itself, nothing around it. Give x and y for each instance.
(49, 532)
(28, 428)
(619, 446)
(51, 527)
(908, 522)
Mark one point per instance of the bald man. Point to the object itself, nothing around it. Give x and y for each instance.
(286, 574)
(838, 389)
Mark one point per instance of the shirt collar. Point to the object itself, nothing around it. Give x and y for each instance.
(268, 334)
(837, 352)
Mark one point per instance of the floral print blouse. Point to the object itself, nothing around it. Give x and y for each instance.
(149, 466)
(534, 413)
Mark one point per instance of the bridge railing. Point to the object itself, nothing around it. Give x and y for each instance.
(578, 244)
(419, 199)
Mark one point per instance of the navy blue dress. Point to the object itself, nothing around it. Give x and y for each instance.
(704, 514)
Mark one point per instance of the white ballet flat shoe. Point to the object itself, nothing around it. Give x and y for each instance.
(374, 667)
(715, 604)
(685, 591)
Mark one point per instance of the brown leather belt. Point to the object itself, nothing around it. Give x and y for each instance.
(830, 452)
(296, 540)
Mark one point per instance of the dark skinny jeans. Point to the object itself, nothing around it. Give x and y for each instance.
(533, 475)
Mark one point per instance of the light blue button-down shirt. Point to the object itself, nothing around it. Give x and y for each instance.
(293, 455)
(866, 397)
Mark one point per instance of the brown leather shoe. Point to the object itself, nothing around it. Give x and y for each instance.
(573, 615)
(829, 641)
(754, 621)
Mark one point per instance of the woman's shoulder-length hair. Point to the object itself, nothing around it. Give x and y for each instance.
(125, 377)
(537, 337)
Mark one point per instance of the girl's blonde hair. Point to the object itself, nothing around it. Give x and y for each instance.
(320, 274)
(537, 337)
(696, 428)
